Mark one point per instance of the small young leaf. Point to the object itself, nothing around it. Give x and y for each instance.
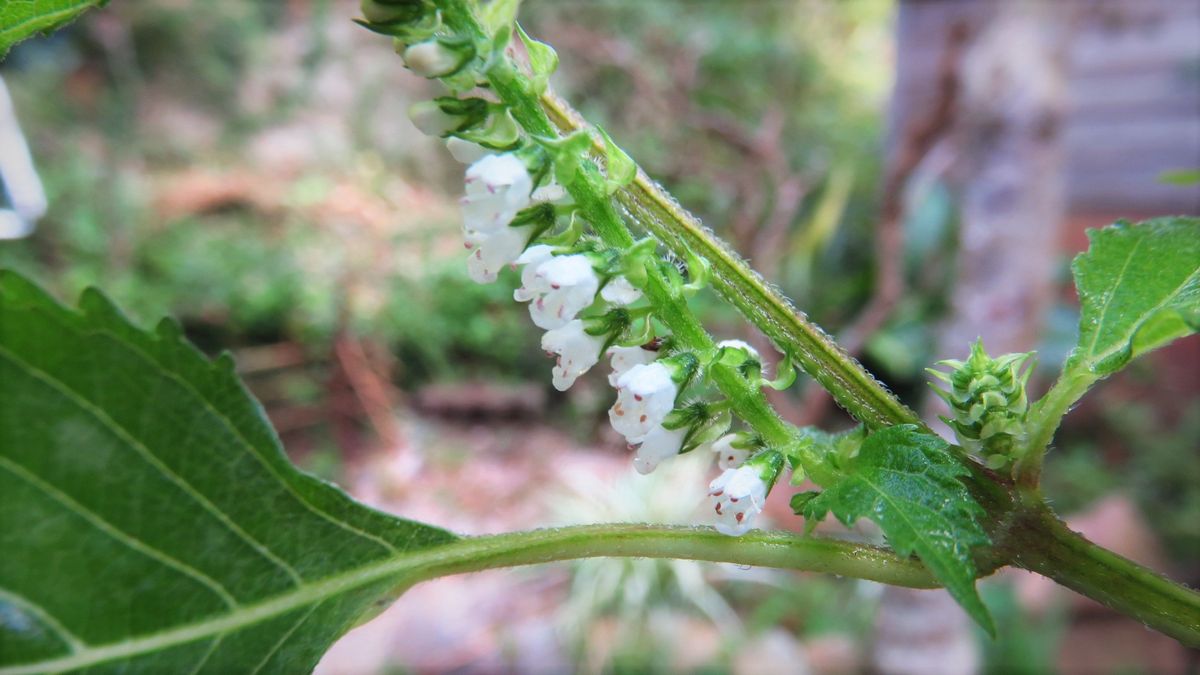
(543, 60)
(1139, 288)
(619, 166)
(498, 15)
(908, 482)
(19, 20)
(149, 520)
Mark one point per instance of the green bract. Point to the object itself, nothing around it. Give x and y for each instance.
(987, 398)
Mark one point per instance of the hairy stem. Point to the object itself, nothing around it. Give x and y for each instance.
(1044, 419)
(588, 190)
(1044, 544)
(847, 381)
(766, 549)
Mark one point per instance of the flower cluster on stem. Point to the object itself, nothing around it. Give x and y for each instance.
(538, 202)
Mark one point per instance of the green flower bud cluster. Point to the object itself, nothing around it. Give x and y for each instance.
(988, 400)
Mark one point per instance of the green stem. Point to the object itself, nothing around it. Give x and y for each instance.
(588, 191)
(766, 549)
(1044, 544)
(847, 381)
(1044, 419)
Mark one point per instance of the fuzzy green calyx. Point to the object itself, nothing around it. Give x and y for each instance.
(988, 400)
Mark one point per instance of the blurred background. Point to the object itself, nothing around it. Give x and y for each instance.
(912, 174)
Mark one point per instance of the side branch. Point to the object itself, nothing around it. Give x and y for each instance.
(849, 383)
(783, 550)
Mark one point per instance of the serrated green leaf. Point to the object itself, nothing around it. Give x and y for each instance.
(149, 520)
(20, 19)
(909, 484)
(1139, 288)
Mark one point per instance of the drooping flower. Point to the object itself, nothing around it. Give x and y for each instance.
(497, 186)
(738, 496)
(645, 395)
(557, 289)
(659, 444)
(464, 152)
(489, 253)
(618, 291)
(729, 456)
(432, 59)
(577, 351)
(624, 358)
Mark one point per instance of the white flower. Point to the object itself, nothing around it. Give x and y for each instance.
(577, 351)
(645, 395)
(729, 457)
(618, 291)
(624, 358)
(431, 59)
(491, 252)
(660, 444)
(465, 152)
(558, 289)
(429, 118)
(738, 496)
(498, 186)
(533, 257)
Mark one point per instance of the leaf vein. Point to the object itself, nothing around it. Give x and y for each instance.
(116, 533)
(147, 454)
(73, 641)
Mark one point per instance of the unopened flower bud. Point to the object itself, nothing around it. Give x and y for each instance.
(433, 59)
(988, 401)
(387, 11)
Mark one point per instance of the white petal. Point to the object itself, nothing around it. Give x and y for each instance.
(729, 457)
(645, 395)
(466, 152)
(490, 253)
(577, 352)
(660, 444)
(738, 496)
(624, 358)
(531, 284)
(497, 187)
(563, 287)
(619, 291)
(430, 59)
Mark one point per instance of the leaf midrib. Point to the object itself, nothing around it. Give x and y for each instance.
(1094, 357)
(246, 614)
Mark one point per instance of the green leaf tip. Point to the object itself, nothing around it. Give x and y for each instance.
(909, 483)
(1139, 289)
(22, 20)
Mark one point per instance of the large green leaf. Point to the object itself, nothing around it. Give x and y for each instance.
(149, 520)
(908, 482)
(1139, 288)
(20, 19)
